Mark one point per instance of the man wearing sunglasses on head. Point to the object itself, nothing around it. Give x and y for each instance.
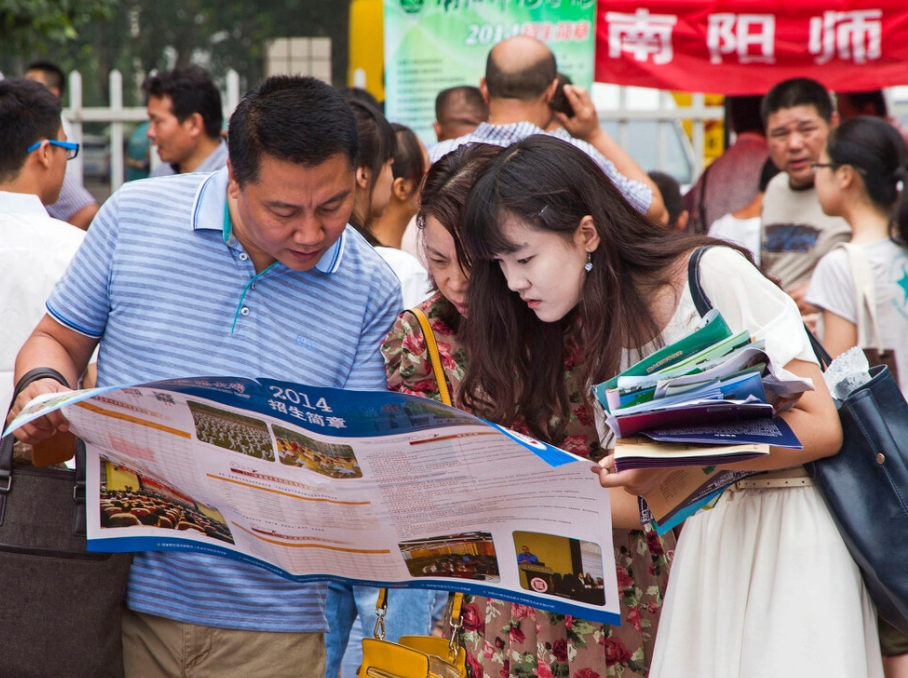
(35, 249)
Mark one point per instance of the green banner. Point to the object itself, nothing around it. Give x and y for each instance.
(431, 45)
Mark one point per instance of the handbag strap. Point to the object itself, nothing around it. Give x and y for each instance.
(701, 301)
(434, 357)
(456, 618)
(865, 297)
(704, 305)
(6, 454)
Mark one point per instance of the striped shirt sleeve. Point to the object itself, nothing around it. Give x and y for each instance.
(81, 298)
(368, 371)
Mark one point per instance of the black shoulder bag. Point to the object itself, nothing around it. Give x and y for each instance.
(865, 485)
(60, 607)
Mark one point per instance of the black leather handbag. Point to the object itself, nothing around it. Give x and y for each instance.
(60, 606)
(865, 485)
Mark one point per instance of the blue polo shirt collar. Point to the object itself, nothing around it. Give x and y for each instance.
(210, 205)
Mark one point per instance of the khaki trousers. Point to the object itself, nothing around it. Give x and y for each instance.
(154, 647)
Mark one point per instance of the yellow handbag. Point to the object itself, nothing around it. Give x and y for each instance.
(413, 656)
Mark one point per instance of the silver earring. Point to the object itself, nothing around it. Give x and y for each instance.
(589, 262)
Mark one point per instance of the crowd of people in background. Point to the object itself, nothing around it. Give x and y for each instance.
(547, 260)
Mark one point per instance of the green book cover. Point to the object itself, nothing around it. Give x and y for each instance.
(712, 330)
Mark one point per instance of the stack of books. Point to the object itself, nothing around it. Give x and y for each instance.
(709, 399)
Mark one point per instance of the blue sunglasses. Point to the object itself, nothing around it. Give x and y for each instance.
(72, 149)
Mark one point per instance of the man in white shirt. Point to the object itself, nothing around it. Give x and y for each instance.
(74, 203)
(35, 249)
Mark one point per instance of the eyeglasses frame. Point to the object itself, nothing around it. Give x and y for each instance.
(72, 148)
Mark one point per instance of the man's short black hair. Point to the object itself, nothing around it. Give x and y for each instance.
(463, 103)
(297, 119)
(797, 92)
(744, 114)
(52, 73)
(29, 112)
(526, 84)
(191, 90)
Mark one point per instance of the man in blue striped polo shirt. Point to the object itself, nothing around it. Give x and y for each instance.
(250, 271)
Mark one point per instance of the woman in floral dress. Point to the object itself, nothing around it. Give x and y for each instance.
(503, 639)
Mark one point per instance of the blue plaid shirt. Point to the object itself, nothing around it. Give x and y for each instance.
(637, 193)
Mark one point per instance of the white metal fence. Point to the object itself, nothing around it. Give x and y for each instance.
(617, 116)
(116, 115)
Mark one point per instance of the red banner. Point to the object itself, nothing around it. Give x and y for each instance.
(746, 46)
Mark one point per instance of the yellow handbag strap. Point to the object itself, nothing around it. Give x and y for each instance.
(381, 608)
(434, 357)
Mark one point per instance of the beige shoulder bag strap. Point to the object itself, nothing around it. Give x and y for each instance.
(865, 298)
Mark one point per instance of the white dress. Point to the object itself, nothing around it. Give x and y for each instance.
(762, 585)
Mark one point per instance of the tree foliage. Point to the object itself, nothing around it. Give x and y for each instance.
(31, 24)
(138, 36)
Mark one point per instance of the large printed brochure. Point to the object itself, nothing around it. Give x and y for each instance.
(318, 483)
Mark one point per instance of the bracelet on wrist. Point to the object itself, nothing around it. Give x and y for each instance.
(38, 373)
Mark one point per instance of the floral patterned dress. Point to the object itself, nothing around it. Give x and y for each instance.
(506, 640)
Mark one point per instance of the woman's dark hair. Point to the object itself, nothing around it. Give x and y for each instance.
(377, 146)
(444, 193)
(409, 162)
(877, 151)
(517, 362)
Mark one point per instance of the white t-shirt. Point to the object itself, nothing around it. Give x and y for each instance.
(747, 300)
(742, 232)
(35, 250)
(832, 289)
(415, 286)
(796, 232)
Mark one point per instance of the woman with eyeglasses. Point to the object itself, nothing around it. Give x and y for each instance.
(860, 176)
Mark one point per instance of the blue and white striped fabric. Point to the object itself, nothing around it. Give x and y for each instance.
(637, 193)
(168, 298)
